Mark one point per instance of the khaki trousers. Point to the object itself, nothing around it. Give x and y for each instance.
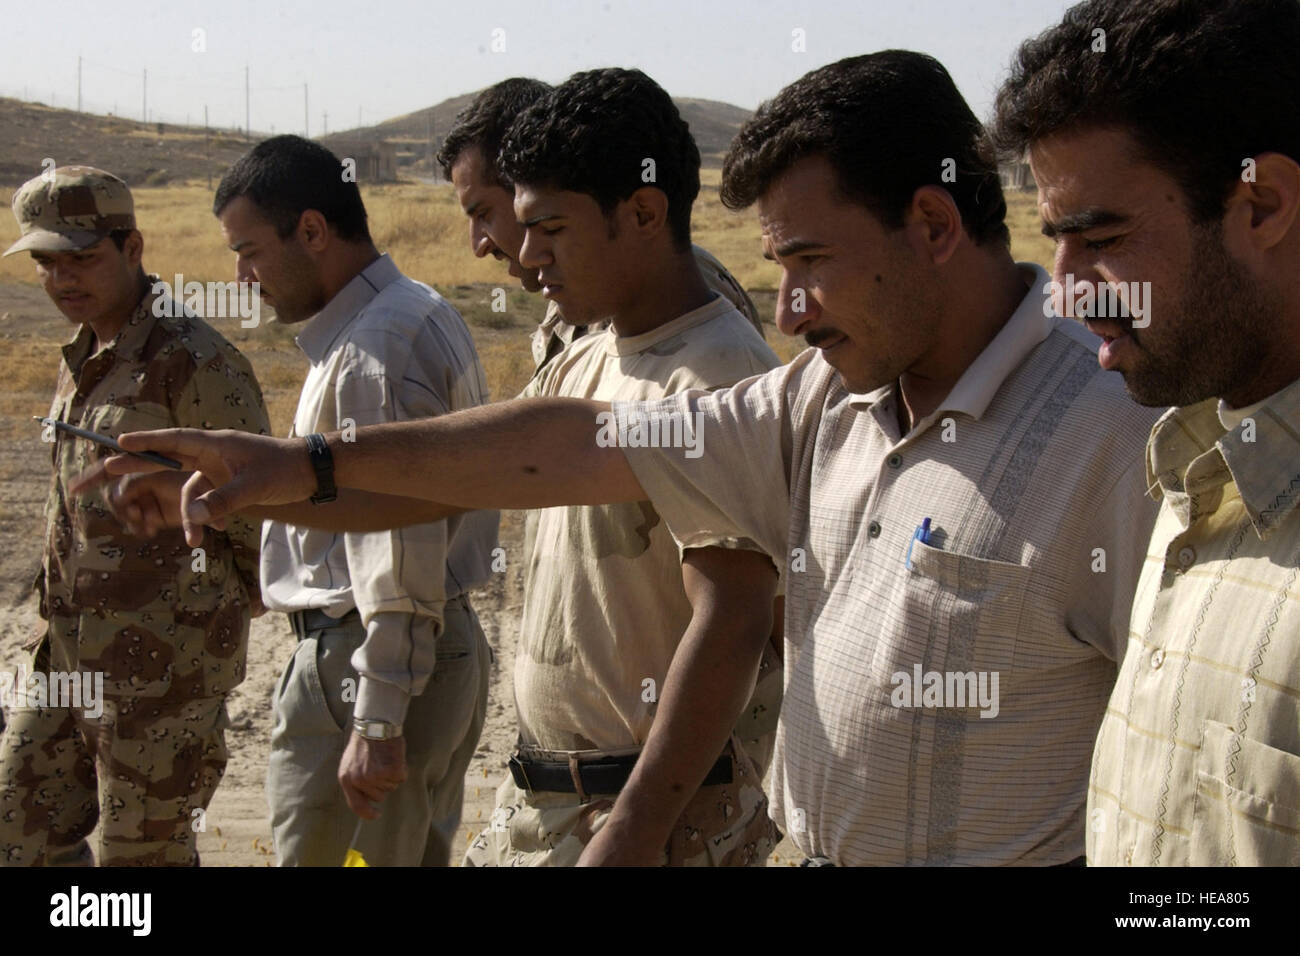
(310, 821)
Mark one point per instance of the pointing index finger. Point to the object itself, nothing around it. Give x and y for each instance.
(174, 442)
(184, 445)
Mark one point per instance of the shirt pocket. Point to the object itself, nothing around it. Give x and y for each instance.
(1246, 810)
(124, 628)
(977, 603)
(94, 521)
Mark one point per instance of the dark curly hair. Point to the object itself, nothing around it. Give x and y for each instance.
(483, 124)
(1200, 85)
(594, 133)
(888, 123)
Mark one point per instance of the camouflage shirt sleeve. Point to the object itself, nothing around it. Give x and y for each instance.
(224, 393)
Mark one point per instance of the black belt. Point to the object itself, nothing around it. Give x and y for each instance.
(314, 619)
(588, 775)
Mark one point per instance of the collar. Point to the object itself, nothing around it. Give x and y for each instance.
(1031, 323)
(631, 344)
(1232, 418)
(1191, 457)
(321, 331)
(130, 338)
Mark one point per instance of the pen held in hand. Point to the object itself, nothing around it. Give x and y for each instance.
(108, 442)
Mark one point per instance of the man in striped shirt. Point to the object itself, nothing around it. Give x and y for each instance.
(1173, 161)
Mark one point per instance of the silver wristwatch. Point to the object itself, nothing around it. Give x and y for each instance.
(376, 729)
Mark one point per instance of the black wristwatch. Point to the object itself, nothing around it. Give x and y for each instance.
(322, 462)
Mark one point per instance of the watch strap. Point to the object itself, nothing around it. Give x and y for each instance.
(322, 462)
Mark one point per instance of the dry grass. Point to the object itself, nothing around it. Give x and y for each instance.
(1028, 244)
(424, 230)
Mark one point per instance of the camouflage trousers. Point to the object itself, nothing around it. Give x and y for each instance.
(723, 825)
(140, 771)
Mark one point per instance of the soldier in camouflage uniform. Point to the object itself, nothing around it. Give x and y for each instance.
(165, 625)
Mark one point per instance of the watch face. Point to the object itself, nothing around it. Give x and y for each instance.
(375, 729)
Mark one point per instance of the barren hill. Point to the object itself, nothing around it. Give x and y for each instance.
(712, 123)
(157, 153)
(141, 153)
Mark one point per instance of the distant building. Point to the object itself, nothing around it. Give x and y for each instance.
(376, 161)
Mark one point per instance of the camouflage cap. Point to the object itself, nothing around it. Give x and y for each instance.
(70, 208)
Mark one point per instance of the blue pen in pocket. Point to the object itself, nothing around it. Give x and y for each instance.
(921, 534)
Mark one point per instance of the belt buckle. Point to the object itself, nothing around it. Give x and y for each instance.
(575, 772)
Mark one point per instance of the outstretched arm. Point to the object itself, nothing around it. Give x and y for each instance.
(526, 453)
(150, 504)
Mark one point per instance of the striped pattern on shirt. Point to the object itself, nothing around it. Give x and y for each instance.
(1198, 759)
(1031, 475)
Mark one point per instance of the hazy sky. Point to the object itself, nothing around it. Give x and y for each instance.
(383, 58)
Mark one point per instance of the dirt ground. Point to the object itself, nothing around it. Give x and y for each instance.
(238, 829)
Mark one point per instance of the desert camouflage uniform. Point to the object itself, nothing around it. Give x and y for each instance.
(166, 626)
(554, 334)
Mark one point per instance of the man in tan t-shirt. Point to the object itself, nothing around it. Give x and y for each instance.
(604, 605)
(468, 158)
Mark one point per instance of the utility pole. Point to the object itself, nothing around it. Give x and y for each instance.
(325, 122)
(144, 98)
(207, 145)
(78, 84)
(248, 126)
(358, 117)
(306, 123)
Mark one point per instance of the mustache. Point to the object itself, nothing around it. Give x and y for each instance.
(1124, 322)
(817, 337)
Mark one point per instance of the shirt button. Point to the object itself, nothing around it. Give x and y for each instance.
(1186, 557)
(873, 529)
(895, 460)
(1157, 658)
(1128, 857)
